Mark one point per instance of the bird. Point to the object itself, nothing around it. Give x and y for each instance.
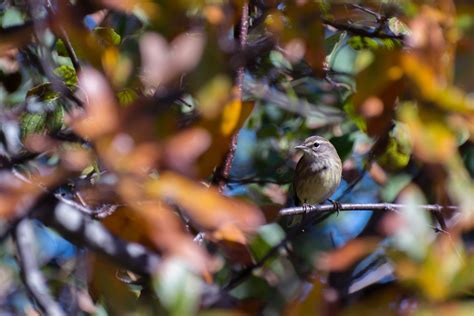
(317, 174)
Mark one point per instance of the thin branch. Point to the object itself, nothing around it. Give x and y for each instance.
(224, 170)
(22, 158)
(378, 16)
(377, 32)
(251, 180)
(32, 276)
(262, 91)
(65, 38)
(290, 235)
(81, 229)
(322, 212)
(45, 64)
(360, 207)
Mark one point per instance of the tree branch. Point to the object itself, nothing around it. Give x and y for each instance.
(377, 32)
(32, 276)
(263, 91)
(323, 212)
(224, 170)
(81, 229)
(45, 64)
(359, 207)
(377, 15)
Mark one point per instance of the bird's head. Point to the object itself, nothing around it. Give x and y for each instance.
(317, 146)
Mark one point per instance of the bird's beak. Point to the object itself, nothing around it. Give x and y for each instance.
(302, 147)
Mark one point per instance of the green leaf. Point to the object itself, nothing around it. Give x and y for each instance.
(67, 74)
(32, 123)
(61, 48)
(55, 119)
(356, 118)
(390, 43)
(126, 96)
(107, 36)
(395, 157)
(177, 288)
(279, 61)
(44, 92)
(362, 42)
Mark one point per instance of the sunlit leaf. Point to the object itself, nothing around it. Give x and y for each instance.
(446, 97)
(361, 42)
(32, 123)
(55, 119)
(398, 150)
(433, 140)
(67, 74)
(126, 96)
(101, 115)
(44, 92)
(107, 36)
(213, 209)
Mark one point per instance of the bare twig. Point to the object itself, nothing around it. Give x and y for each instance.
(377, 15)
(251, 180)
(10, 162)
(290, 235)
(32, 276)
(367, 32)
(263, 91)
(359, 207)
(323, 212)
(224, 170)
(45, 64)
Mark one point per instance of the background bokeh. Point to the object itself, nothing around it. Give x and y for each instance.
(147, 148)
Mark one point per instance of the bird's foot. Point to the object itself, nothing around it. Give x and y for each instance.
(336, 205)
(306, 208)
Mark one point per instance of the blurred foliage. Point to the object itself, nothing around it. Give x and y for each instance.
(135, 103)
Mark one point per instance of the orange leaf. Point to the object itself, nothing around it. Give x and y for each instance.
(342, 258)
(234, 243)
(101, 116)
(206, 207)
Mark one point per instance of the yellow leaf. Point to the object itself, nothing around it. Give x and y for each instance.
(432, 138)
(214, 95)
(230, 116)
(446, 97)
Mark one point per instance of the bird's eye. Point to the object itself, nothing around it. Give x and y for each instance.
(316, 145)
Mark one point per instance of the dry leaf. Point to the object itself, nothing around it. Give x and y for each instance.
(344, 257)
(206, 207)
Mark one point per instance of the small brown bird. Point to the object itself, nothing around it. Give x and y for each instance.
(318, 172)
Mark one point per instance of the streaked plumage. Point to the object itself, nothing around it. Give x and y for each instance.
(318, 173)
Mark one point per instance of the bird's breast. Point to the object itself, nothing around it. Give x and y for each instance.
(314, 183)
